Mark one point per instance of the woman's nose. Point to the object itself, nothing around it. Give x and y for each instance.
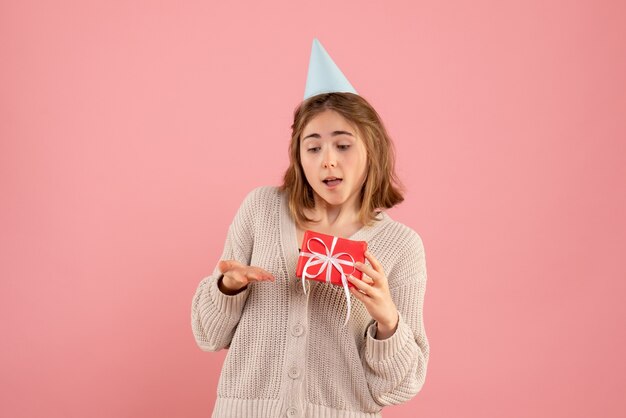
(329, 159)
(329, 163)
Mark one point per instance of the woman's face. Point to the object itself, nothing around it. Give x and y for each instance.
(331, 147)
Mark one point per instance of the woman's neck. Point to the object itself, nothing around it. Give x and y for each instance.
(331, 216)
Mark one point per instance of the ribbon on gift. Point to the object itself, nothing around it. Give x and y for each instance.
(328, 261)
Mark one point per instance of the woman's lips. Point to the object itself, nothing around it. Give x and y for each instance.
(331, 184)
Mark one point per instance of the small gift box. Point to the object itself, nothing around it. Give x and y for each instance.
(330, 259)
(327, 258)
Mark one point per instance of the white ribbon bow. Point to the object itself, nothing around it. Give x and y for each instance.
(327, 261)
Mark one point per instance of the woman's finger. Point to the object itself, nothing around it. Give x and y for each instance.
(360, 284)
(367, 279)
(226, 265)
(258, 274)
(374, 262)
(266, 274)
(369, 270)
(242, 273)
(360, 296)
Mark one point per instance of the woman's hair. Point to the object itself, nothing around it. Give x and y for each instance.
(381, 189)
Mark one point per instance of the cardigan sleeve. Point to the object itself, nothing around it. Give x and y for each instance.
(395, 368)
(215, 315)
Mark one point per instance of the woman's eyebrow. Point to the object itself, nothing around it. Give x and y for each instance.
(334, 133)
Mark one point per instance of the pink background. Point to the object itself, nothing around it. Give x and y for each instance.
(130, 132)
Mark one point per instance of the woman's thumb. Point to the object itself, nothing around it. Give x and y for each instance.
(225, 265)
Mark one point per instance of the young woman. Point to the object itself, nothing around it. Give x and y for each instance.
(289, 353)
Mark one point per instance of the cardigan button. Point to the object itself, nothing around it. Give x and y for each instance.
(297, 330)
(294, 372)
(292, 412)
(298, 284)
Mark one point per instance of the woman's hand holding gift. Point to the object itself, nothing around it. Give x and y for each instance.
(373, 291)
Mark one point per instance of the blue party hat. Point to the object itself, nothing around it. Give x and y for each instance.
(324, 76)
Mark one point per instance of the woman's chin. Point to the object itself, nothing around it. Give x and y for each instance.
(331, 199)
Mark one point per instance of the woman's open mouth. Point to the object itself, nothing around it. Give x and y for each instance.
(332, 183)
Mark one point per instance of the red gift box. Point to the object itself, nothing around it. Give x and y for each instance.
(322, 253)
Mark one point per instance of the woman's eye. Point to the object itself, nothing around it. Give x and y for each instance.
(342, 147)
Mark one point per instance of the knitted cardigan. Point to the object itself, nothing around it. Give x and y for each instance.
(289, 354)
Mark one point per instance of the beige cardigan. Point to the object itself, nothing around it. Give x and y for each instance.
(288, 352)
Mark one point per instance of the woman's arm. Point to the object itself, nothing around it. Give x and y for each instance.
(214, 314)
(395, 367)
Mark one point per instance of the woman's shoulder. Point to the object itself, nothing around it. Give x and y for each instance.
(263, 194)
(258, 203)
(403, 251)
(401, 234)
(261, 201)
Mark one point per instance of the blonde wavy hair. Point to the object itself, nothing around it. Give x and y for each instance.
(382, 188)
